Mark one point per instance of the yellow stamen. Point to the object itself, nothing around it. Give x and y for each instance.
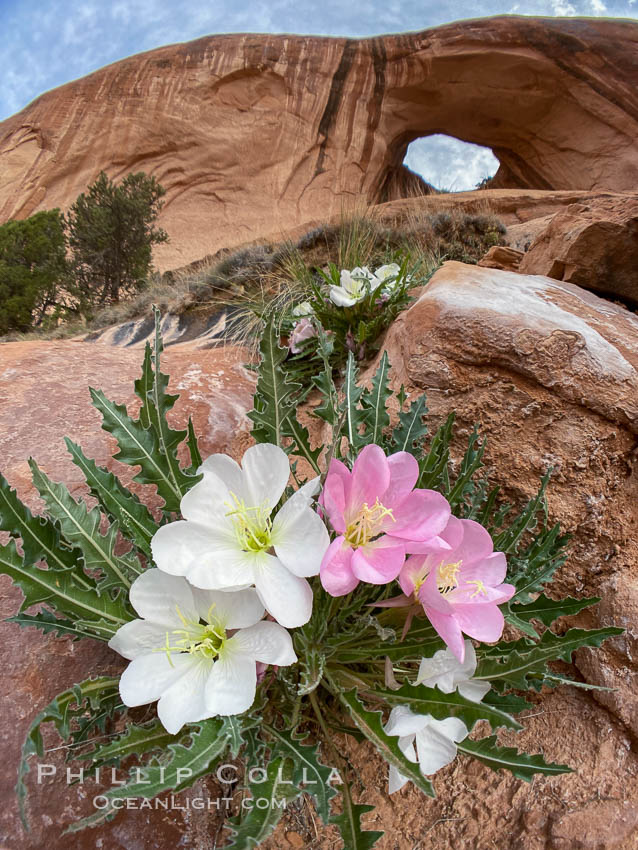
(480, 587)
(367, 524)
(446, 579)
(205, 640)
(253, 526)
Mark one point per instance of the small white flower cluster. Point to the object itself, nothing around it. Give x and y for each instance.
(200, 635)
(356, 284)
(422, 738)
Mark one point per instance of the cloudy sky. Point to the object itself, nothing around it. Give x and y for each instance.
(45, 43)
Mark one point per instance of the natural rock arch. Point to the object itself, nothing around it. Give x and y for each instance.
(253, 135)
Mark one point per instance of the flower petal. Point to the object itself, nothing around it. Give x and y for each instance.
(300, 538)
(403, 721)
(444, 543)
(422, 515)
(370, 479)
(340, 297)
(448, 628)
(286, 597)
(476, 544)
(333, 502)
(404, 471)
(266, 472)
(178, 545)
(414, 570)
(139, 637)
(157, 596)
(148, 676)
(208, 501)
(234, 610)
(491, 570)
(231, 686)
(473, 689)
(378, 562)
(396, 779)
(337, 577)
(267, 642)
(481, 622)
(228, 470)
(434, 750)
(230, 570)
(184, 701)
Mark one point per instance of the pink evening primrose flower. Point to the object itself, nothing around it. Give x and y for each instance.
(461, 587)
(378, 516)
(303, 330)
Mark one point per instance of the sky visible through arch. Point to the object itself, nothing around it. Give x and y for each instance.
(46, 43)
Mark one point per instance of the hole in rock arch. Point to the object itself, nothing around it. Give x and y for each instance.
(449, 164)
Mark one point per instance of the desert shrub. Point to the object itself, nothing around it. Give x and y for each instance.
(33, 270)
(111, 232)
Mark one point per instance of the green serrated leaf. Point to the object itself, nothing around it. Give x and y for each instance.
(134, 741)
(509, 703)
(518, 660)
(349, 825)
(371, 724)
(374, 403)
(547, 610)
(464, 485)
(180, 766)
(278, 790)
(354, 416)
(64, 708)
(158, 404)
(308, 770)
(432, 701)
(135, 520)
(276, 398)
(81, 527)
(40, 538)
(411, 431)
(275, 392)
(48, 623)
(434, 465)
(193, 449)
(139, 446)
(61, 589)
(522, 765)
(301, 442)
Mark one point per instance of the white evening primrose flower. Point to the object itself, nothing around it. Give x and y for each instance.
(422, 739)
(302, 310)
(231, 539)
(354, 286)
(196, 651)
(388, 274)
(448, 674)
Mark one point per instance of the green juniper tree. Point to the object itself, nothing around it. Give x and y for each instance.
(33, 271)
(111, 231)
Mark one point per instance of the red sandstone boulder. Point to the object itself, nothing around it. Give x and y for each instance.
(551, 373)
(593, 244)
(502, 257)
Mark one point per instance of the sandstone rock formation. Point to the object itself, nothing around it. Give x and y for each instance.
(593, 244)
(502, 257)
(551, 372)
(253, 135)
(44, 396)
